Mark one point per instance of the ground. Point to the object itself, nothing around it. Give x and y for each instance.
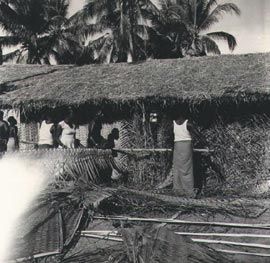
(88, 245)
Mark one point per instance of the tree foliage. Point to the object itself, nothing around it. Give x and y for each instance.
(111, 30)
(39, 30)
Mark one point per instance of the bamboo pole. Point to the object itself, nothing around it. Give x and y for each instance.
(41, 255)
(173, 217)
(116, 239)
(100, 232)
(222, 235)
(224, 242)
(137, 149)
(115, 233)
(242, 253)
(205, 241)
(157, 150)
(183, 222)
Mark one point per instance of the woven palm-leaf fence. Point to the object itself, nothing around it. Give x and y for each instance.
(82, 134)
(242, 152)
(28, 132)
(146, 169)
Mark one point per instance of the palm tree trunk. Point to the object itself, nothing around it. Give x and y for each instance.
(195, 14)
(1, 55)
(132, 17)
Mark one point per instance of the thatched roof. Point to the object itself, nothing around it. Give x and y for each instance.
(190, 79)
(11, 73)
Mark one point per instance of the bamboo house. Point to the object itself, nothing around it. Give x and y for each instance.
(227, 97)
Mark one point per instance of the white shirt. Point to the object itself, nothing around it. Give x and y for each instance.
(45, 136)
(181, 132)
(68, 135)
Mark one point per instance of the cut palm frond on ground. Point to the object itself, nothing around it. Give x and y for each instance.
(130, 201)
(86, 166)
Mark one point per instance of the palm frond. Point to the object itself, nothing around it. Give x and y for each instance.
(206, 9)
(230, 39)
(79, 165)
(217, 13)
(210, 45)
(105, 50)
(11, 55)
(58, 8)
(81, 16)
(9, 41)
(87, 56)
(10, 21)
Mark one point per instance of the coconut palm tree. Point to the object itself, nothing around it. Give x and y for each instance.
(201, 15)
(168, 28)
(116, 27)
(39, 30)
(182, 26)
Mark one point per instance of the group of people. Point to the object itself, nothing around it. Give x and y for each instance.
(63, 135)
(53, 134)
(8, 134)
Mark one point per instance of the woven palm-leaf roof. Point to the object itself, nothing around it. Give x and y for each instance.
(189, 79)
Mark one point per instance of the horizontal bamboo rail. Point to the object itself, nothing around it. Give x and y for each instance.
(224, 242)
(158, 150)
(138, 149)
(109, 238)
(183, 222)
(242, 253)
(115, 233)
(206, 241)
(223, 235)
(100, 232)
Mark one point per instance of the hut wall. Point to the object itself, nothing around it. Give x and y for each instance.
(267, 154)
(82, 134)
(28, 132)
(147, 169)
(241, 154)
(121, 159)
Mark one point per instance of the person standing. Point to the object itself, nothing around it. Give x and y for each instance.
(4, 133)
(183, 178)
(56, 131)
(68, 132)
(95, 139)
(13, 140)
(110, 142)
(45, 136)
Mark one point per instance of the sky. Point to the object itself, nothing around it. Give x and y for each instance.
(251, 29)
